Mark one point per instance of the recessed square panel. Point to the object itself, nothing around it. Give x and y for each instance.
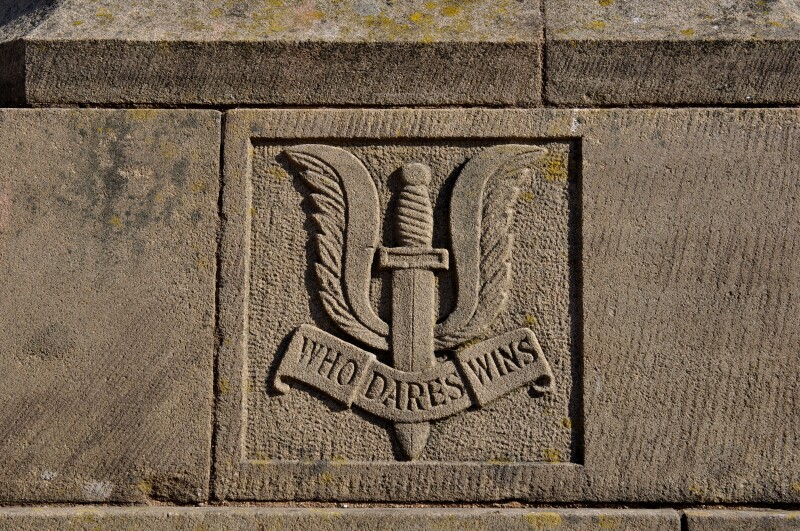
(397, 304)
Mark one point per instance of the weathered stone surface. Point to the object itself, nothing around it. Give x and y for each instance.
(612, 52)
(377, 407)
(691, 229)
(16, 19)
(654, 258)
(742, 520)
(107, 266)
(320, 52)
(325, 519)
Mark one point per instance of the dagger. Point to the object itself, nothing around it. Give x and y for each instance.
(412, 264)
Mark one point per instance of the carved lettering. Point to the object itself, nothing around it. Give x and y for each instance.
(524, 352)
(422, 395)
(347, 372)
(455, 389)
(311, 352)
(484, 367)
(376, 386)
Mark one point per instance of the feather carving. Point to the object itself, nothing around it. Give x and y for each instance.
(481, 215)
(343, 196)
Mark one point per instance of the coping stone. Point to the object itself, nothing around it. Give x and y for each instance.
(706, 52)
(331, 519)
(108, 223)
(671, 356)
(741, 520)
(323, 52)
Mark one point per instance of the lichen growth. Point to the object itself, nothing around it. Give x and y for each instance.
(605, 521)
(544, 520)
(551, 455)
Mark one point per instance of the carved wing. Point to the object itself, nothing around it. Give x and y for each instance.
(346, 213)
(481, 210)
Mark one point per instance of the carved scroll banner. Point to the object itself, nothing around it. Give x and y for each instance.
(475, 377)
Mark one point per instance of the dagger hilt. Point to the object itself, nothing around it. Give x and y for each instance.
(414, 222)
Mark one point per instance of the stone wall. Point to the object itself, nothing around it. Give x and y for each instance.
(429, 264)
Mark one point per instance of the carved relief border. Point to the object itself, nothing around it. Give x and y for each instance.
(238, 476)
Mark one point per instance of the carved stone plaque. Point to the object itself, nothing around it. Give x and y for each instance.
(397, 301)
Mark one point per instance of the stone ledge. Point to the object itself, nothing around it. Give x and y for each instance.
(741, 520)
(112, 518)
(320, 53)
(660, 53)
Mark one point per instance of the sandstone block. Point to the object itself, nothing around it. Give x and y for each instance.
(603, 302)
(333, 519)
(323, 52)
(742, 520)
(706, 52)
(107, 265)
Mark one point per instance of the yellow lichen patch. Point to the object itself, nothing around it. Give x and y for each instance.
(596, 25)
(566, 422)
(385, 26)
(605, 521)
(421, 19)
(543, 520)
(196, 25)
(201, 262)
(775, 23)
(688, 32)
(554, 168)
(605, 3)
(527, 196)
(104, 15)
(471, 342)
(168, 150)
(277, 173)
(84, 517)
(215, 13)
(142, 114)
(77, 22)
(326, 477)
(145, 487)
(698, 491)
(430, 5)
(530, 320)
(252, 211)
(224, 386)
(796, 487)
(314, 15)
(115, 222)
(451, 11)
(551, 455)
(199, 187)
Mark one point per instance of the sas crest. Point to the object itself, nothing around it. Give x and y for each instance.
(392, 371)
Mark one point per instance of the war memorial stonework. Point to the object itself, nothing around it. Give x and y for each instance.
(400, 265)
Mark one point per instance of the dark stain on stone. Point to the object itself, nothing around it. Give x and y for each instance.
(53, 341)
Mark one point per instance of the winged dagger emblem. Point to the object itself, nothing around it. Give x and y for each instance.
(406, 383)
